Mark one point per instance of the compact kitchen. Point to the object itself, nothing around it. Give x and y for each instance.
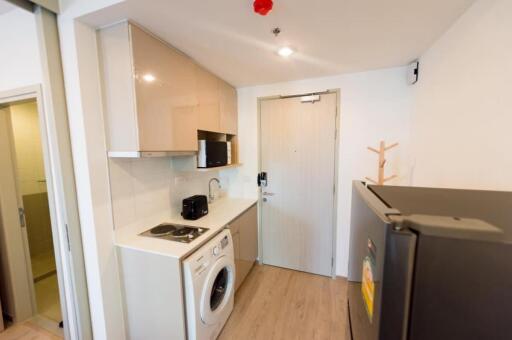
(207, 242)
(255, 170)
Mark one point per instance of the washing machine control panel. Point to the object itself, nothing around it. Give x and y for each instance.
(201, 260)
(224, 242)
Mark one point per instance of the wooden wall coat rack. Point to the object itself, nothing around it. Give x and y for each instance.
(382, 161)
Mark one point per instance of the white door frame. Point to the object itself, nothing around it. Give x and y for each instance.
(336, 160)
(69, 260)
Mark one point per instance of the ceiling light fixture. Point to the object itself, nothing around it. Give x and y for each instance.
(285, 52)
(149, 78)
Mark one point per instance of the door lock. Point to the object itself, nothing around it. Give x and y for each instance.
(262, 179)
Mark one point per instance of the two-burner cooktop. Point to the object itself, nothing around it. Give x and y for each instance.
(175, 232)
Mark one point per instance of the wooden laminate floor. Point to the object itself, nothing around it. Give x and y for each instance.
(28, 330)
(276, 303)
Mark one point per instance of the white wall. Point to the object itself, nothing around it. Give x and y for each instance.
(461, 134)
(150, 190)
(374, 105)
(81, 77)
(19, 57)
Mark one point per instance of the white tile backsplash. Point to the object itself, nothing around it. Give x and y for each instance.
(147, 189)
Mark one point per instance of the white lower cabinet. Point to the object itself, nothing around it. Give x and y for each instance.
(153, 295)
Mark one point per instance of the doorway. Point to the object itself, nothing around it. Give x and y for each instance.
(28, 263)
(298, 147)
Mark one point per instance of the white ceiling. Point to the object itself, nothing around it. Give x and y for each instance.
(5, 7)
(331, 36)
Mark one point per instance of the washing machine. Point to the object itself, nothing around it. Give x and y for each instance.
(209, 279)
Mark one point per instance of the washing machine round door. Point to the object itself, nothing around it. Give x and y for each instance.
(218, 289)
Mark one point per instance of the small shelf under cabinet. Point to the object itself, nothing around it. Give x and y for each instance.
(189, 164)
(225, 167)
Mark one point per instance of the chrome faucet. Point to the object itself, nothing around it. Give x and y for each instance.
(210, 195)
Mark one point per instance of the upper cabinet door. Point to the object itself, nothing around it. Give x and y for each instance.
(228, 109)
(165, 94)
(155, 97)
(207, 86)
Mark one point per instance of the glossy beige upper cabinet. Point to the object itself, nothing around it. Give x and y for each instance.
(208, 97)
(228, 108)
(217, 99)
(150, 92)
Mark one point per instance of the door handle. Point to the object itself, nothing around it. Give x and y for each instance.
(21, 215)
(268, 193)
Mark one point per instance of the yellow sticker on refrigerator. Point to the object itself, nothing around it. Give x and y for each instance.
(367, 281)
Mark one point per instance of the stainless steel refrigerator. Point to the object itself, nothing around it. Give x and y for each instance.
(429, 264)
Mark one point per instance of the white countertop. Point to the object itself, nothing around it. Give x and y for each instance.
(221, 213)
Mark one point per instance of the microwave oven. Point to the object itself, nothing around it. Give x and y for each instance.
(213, 154)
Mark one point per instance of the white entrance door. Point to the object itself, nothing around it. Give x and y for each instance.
(298, 155)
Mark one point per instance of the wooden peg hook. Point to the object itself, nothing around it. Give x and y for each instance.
(382, 162)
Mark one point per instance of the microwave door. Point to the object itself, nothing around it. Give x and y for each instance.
(216, 154)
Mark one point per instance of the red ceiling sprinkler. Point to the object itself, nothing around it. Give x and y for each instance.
(263, 7)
